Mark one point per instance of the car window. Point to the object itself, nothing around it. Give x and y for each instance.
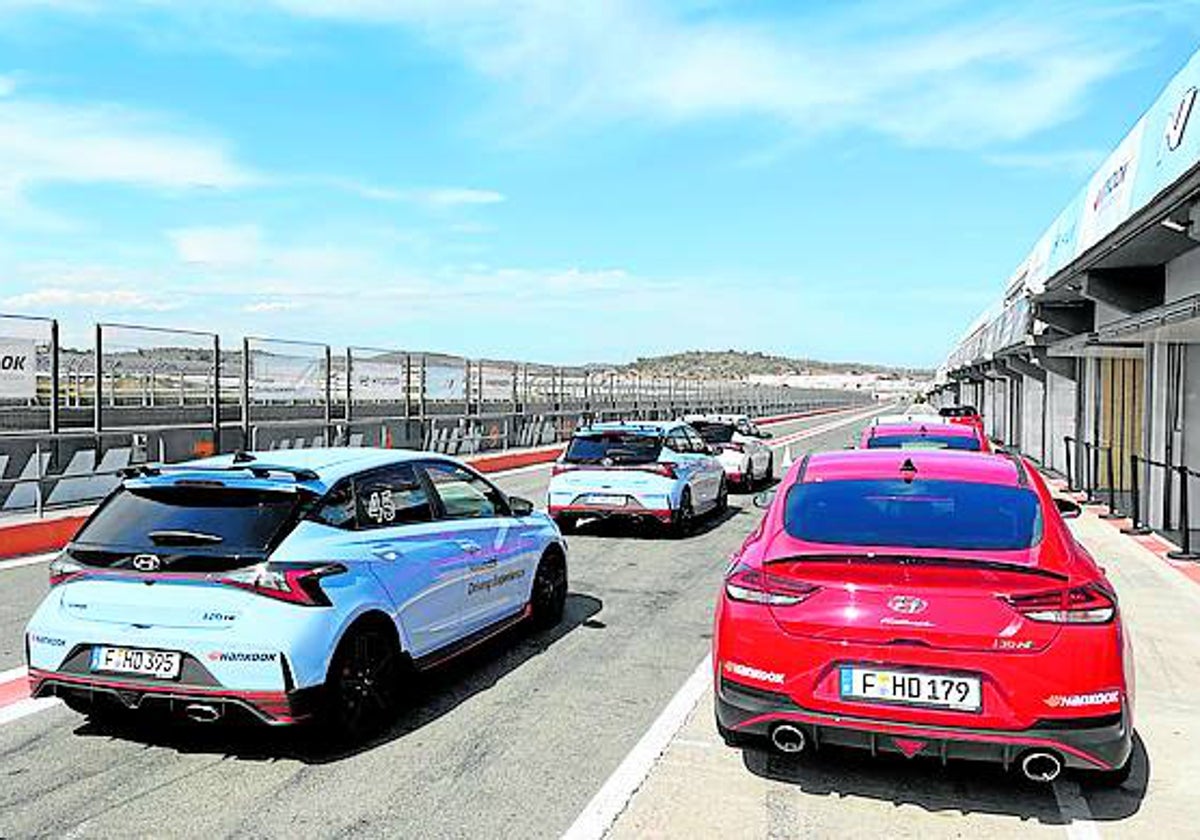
(714, 432)
(696, 443)
(464, 495)
(619, 447)
(337, 508)
(391, 496)
(677, 441)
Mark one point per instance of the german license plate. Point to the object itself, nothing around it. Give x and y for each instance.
(607, 500)
(160, 664)
(911, 688)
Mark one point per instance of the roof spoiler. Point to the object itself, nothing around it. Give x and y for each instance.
(256, 469)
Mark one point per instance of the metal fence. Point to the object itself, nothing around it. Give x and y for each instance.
(143, 394)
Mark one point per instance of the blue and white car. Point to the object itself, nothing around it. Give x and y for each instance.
(290, 585)
(660, 471)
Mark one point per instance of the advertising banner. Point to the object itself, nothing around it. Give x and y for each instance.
(18, 368)
(376, 381)
(278, 377)
(445, 380)
(1171, 144)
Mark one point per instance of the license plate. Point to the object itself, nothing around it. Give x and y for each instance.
(911, 688)
(160, 664)
(603, 499)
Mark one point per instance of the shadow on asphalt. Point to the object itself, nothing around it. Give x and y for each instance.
(439, 692)
(636, 530)
(961, 786)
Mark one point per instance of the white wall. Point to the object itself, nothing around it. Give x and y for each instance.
(1183, 275)
(1060, 421)
(1031, 417)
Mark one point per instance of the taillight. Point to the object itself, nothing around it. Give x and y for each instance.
(665, 470)
(63, 569)
(757, 587)
(292, 582)
(559, 469)
(1078, 605)
(733, 447)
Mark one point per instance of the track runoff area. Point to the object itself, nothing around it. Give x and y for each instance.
(601, 726)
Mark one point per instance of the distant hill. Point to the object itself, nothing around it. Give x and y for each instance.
(738, 364)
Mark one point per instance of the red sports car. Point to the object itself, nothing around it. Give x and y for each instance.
(931, 435)
(924, 602)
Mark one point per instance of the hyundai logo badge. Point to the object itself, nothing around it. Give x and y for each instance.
(147, 563)
(907, 604)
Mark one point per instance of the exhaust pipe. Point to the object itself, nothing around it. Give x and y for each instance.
(788, 738)
(1039, 766)
(201, 712)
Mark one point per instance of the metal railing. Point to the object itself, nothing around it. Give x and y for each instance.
(159, 394)
(1174, 476)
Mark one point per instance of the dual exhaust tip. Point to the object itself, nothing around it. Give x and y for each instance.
(1041, 766)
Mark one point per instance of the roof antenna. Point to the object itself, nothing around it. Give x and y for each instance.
(242, 457)
(908, 471)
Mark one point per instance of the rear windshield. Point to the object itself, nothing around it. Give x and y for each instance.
(918, 514)
(958, 411)
(715, 432)
(617, 447)
(196, 520)
(924, 441)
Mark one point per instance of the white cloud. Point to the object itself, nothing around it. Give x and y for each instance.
(218, 246)
(962, 78)
(446, 197)
(7, 85)
(269, 306)
(45, 142)
(54, 298)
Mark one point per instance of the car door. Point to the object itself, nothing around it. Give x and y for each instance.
(686, 463)
(709, 471)
(424, 573)
(501, 562)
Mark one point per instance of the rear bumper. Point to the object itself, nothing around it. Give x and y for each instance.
(275, 708)
(631, 511)
(1087, 744)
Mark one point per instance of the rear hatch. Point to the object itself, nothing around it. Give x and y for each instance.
(942, 604)
(918, 561)
(611, 460)
(147, 555)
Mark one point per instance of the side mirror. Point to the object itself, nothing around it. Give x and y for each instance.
(1069, 508)
(763, 499)
(519, 506)
(766, 435)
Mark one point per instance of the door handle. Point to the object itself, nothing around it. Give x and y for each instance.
(469, 547)
(490, 563)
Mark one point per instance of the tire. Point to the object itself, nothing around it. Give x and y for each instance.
(722, 504)
(548, 598)
(748, 476)
(363, 685)
(566, 524)
(770, 473)
(684, 517)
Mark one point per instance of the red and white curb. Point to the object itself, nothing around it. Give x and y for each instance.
(15, 702)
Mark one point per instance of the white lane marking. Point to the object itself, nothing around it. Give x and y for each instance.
(31, 560)
(1080, 824)
(13, 674)
(27, 707)
(608, 803)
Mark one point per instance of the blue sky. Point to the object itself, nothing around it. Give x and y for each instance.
(558, 181)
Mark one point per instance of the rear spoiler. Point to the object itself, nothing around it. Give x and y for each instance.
(256, 469)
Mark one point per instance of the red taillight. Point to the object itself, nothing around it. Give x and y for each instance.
(733, 447)
(1079, 605)
(757, 587)
(294, 583)
(665, 470)
(560, 468)
(63, 569)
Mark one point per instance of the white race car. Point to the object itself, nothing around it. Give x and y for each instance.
(743, 453)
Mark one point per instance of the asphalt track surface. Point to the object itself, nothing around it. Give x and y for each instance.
(511, 740)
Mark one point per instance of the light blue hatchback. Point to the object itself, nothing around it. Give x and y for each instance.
(289, 585)
(661, 471)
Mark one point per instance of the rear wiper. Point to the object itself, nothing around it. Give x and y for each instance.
(184, 538)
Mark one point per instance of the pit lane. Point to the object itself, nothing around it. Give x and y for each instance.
(512, 740)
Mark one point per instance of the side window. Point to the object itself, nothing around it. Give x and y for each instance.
(391, 496)
(697, 442)
(677, 441)
(337, 508)
(464, 495)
